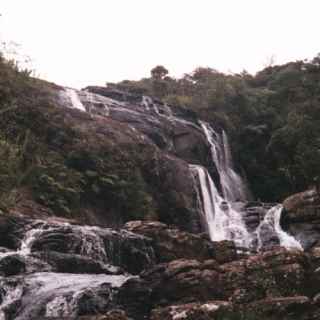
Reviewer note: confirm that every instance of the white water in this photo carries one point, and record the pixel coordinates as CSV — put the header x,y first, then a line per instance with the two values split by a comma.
x,y
271,224
74,98
224,223
232,186
58,293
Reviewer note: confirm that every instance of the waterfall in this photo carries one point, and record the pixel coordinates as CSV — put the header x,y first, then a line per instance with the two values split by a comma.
x,y
270,227
63,270
47,294
224,223
232,186
74,99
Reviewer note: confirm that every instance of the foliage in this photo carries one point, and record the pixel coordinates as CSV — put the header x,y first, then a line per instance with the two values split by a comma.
x,y
44,152
273,118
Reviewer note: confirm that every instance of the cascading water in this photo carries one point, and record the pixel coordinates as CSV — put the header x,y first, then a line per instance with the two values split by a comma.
x,y
223,218
224,223
97,261
74,99
270,227
232,185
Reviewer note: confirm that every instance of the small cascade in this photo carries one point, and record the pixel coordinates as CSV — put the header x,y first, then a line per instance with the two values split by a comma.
x,y
62,270
30,237
232,186
47,294
95,104
224,223
270,231
92,244
74,99
10,295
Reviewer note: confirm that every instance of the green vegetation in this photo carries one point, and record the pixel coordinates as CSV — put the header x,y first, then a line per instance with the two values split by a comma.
x,y
48,156
273,118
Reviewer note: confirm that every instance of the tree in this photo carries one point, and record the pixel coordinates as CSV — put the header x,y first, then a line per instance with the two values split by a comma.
x,y
159,72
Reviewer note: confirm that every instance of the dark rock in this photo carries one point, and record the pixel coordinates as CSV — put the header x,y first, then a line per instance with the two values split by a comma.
x,y
184,281
171,243
11,265
287,308
194,311
276,273
9,231
124,249
175,192
111,315
301,217
224,251
135,298
302,199
73,263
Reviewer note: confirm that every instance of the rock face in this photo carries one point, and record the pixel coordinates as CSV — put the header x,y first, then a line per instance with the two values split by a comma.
x,y
70,248
172,139
201,311
171,244
273,274
74,273
301,200
164,269
302,217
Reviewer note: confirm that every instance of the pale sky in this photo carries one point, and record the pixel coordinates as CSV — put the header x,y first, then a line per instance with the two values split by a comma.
x,y
81,42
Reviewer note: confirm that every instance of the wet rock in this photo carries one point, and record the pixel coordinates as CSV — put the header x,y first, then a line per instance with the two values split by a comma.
x,y
276,273
11,265
224,251
175,192
73,263
302,199
111,315
121,248
301,217
171,244
58,295
9,231
135,298
254,212
184,281
193,311
287,308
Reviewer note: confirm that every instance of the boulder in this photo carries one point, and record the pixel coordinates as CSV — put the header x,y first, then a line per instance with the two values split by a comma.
x,y
9,231
74,263
301,217
287,308
134,297
307,198
193,311
184,281
276,273
11,265
111,315
172,244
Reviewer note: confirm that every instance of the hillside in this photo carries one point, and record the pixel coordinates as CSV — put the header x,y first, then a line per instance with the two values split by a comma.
x,y
155,199
271,117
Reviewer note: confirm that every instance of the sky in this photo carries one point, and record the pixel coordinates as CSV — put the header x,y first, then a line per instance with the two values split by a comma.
x,y
90,42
